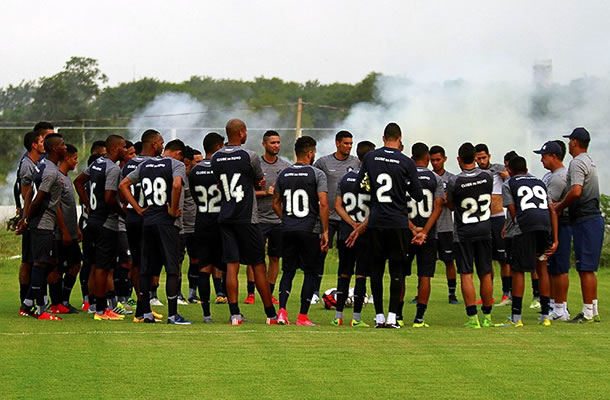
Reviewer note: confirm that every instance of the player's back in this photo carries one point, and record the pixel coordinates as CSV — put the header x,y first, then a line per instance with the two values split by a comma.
x,y
445,220
355,201
103,175
531,202
157,177
298,187
206,194
132,217
470,192
432,188
237,170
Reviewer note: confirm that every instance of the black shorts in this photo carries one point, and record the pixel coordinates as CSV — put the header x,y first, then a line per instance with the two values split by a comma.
x,y
357,257
526,248
242,243
105,243
508,243
42,243
124,251
559,263
426,258
273,234
389,244
26,247
160,247
208,248
301,250
88,247
333,227
69,255
497,241
444,245
187,246
134,238
469,254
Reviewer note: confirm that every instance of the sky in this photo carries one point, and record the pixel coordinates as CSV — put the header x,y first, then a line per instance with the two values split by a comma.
x,y
326,40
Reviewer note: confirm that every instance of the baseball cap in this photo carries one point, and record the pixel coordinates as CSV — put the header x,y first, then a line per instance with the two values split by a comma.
x,y
550,148
579,134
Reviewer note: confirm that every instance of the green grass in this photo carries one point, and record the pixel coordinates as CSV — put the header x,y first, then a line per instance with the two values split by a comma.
x,y
80,358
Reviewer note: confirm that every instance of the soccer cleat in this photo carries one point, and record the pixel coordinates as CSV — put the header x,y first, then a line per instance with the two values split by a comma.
x,y
59,309
71,309
505,301
48,317
473,322
580,319
274,300
157,316
182,301
556,317
393,326
154,301
272,321
194,300
221,300
315,299
207,320
337,322
132,303
149,320
236,320
85,306
114,316
282,317
121,310
413,300
486,322
421,324
26,311
596,318
91,309
535,304
545,322
178,320
100,317
250,299
380,325
359,324
400,322
510,323
138,320
454,300
303,320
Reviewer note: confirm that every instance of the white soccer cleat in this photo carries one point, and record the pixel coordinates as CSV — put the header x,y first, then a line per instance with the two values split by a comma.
x,y
155,302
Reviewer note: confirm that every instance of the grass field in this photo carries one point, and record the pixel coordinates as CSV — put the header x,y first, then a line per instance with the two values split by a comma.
x,y
80,358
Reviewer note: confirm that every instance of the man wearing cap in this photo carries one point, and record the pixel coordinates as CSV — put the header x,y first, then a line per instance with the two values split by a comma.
x,y
582,202
556,183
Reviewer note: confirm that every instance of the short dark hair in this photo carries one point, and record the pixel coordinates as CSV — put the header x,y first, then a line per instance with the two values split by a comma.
x,y
29,139
304,144
196,152
71,149
211,141
342,135
582,143
466,153
50,141
436,149
188,152
43,126
419,151
128,144
96,146
138,146
175,145
481,147
364,147
149,135
518,165
562,145
112,140
392,131
270,133
510,155
92,158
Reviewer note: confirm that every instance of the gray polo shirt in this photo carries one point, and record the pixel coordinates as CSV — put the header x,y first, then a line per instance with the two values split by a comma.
x,y
266,215
68,208
583,171
334,170
557,187
445,220
52,184
189,210
26,171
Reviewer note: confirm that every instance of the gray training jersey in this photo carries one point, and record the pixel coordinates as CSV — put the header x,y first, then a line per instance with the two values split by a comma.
x,y
335,169
266,215
47,179
189,210
557,187
26,171
445,220
583,171
68,208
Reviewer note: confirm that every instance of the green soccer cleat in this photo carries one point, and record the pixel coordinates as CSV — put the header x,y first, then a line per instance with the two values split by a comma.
x,y
420,325
359,324
535,304
487,322
596,318
400,322
337,322
545,322
473,322
509,323
132,302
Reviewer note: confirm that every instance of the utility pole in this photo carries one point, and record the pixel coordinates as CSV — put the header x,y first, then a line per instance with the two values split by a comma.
x,y
299,112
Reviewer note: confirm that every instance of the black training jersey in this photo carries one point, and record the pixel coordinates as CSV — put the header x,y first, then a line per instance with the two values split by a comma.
x,y
298,186
391,176
157,178
136,190
529,196
432,187
355,201
207,196
103,175
470,192
238,171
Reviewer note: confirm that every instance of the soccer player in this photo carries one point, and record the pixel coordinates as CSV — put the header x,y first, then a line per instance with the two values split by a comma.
x,y
391,178
444,224
423,215
352,204
269,222
238,172
300,200
206,194
152,146
527,201
103,209
582,202
188,244
162,179
551,155
469,194
335,166
40,217
68,235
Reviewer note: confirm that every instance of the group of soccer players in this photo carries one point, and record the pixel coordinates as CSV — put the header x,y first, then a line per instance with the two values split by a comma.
x,y
147,205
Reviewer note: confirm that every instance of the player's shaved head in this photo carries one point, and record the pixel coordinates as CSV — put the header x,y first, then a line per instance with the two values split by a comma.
x,y
234,128
419,151
113,141
364,147
466,153
51,141
149,136
392,131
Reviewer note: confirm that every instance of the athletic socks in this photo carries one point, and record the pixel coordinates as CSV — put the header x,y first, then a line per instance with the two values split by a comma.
x,y
270,312
471,310
55,292
391,318
486,310
271,287
506,285
217,286
23,291
112,299
203,282
193,277
172,290
285,287
359,294
100,305
587,310
307,290
69,282
421,310
342,292
153,291
545,308
338,314
234,309
251,287
516,308
401,306
452,285
356,316
535,289
595,310
172,305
